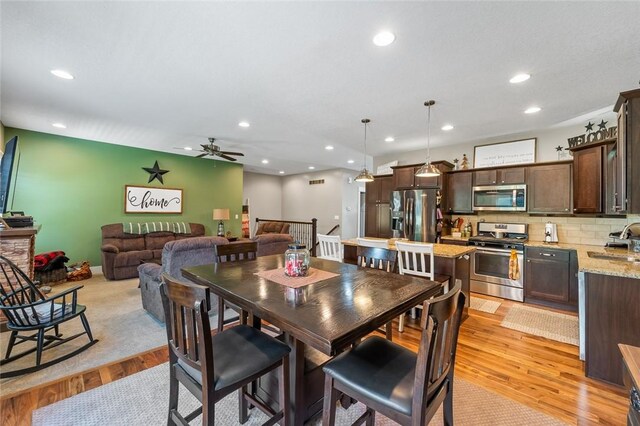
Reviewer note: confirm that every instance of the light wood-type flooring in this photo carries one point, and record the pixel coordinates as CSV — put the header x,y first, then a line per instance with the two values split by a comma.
x,y
540,373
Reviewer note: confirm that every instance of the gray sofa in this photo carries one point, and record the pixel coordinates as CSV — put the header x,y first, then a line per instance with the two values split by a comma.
x,y
176,254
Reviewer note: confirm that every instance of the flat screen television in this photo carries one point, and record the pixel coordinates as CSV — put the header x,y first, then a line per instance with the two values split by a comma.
x,y
8,170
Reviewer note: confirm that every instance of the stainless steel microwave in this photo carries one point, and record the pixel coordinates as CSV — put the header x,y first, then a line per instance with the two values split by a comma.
x,y
500,198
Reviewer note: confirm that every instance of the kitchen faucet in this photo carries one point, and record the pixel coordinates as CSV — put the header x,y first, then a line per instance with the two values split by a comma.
x,y
623,238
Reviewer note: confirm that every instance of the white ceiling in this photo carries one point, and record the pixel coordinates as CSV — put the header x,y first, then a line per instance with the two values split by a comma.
x,y
160,75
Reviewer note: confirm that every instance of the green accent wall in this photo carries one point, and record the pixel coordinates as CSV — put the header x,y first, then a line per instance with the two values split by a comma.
x,y
72,187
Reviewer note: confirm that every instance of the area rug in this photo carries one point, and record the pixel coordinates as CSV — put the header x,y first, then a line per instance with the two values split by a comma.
x,y
116,317
142,398
484,305
543,323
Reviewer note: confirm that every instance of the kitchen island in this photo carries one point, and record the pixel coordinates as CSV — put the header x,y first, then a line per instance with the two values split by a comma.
x,y
451,260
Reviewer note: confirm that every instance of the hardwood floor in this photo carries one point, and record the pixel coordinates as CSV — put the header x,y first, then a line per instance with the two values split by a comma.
x,y
540,373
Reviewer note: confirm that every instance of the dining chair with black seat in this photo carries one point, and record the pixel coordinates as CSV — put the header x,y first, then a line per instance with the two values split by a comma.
x,y
213,366
234,252
382,259
417,259
408,388
33,317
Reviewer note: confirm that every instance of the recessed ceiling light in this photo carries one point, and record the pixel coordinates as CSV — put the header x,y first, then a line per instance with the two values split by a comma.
x,y
59,125
350,161
519,78
188,148
329,148
312,168
447,127
532,110
62,74
265,161
389,139
383,38
244,124
281,172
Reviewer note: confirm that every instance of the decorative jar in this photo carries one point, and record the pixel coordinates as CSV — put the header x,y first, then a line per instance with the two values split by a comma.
x,y
296,261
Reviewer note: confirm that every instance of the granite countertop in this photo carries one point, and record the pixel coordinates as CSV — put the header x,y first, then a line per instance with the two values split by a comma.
x,y
631,356
450,237
439,250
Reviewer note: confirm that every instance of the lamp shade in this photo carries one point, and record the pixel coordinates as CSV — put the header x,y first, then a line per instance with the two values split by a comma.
x,y
220,214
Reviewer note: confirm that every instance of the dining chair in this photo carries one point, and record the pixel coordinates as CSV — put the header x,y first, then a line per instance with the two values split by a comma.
x,y
417,259
33,317
383,259
212,367
408,388
372,242
234,252
330,247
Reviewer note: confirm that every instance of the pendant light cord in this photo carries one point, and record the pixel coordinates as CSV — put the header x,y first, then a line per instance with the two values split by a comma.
x,y
364,165
429,133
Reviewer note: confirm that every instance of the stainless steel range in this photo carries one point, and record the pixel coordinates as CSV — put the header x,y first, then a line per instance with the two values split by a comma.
x,y
490,261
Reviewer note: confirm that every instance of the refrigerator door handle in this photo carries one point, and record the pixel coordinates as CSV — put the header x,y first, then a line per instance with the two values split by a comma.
x,y
405,221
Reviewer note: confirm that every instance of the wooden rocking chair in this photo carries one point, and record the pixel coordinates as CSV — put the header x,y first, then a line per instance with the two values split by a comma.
x,y
28,310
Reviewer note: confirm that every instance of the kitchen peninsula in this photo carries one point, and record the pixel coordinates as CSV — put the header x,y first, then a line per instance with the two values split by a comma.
x,y
451,260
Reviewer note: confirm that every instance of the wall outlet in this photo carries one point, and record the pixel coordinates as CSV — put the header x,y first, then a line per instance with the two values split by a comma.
x,y
236,216
336,217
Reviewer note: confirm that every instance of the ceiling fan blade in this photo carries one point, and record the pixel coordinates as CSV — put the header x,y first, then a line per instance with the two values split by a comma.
x,y
232,153
226,157
202,155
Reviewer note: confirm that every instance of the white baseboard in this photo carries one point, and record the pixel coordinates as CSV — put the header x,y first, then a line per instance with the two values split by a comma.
x,y
96,270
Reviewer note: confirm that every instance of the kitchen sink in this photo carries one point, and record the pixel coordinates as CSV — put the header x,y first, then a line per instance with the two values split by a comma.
x,y
616,257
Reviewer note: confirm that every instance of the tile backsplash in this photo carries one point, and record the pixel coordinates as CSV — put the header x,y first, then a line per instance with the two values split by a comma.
x,y
572,230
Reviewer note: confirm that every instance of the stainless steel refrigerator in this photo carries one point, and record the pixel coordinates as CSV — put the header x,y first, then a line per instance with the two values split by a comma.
x,y
413,214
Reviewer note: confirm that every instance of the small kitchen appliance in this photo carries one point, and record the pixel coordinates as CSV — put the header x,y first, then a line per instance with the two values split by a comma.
x,y
550,233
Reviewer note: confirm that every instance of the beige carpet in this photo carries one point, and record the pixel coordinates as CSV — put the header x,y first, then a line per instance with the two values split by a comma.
x,y
484,305
141,399
116,317
543,323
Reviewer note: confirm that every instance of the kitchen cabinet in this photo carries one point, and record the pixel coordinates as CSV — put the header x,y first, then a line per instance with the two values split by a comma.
x,y
458,196
549,188
377,222
627,195
612,315
404,177
551,277
507,176
588,179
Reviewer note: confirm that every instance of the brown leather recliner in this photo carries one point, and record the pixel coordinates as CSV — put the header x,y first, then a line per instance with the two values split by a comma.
x,y
123,253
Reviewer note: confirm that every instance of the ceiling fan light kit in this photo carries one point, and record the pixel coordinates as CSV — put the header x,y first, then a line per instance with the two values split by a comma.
x,y
428,169
364,175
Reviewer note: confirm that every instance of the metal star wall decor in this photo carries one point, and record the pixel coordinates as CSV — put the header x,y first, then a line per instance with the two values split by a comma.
x,y
603,125
559,148
589,127
155,172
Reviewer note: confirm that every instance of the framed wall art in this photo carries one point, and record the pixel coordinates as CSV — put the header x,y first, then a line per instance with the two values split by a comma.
x,y
145,199
505,153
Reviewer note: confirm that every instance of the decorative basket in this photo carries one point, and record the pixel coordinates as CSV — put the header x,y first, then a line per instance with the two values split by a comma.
x,y
55,276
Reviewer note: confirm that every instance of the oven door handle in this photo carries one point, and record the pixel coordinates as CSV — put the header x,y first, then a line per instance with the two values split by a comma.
x,y
502,252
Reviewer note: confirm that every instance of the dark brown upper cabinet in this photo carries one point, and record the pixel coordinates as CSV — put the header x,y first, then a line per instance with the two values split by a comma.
x,y
377,221
627,190
588,182
404,177
549,188
506,176
458,198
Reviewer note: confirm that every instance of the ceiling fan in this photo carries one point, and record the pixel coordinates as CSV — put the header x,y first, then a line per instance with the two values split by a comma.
x,y
214,150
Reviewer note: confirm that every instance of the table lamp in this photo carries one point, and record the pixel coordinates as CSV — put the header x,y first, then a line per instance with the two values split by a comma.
x,y
221,215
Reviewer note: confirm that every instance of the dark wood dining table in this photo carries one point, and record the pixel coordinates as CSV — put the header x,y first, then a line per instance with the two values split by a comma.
x,y
319,320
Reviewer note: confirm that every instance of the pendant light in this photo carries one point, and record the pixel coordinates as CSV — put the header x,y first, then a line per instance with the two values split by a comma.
x,y
364,175
428,169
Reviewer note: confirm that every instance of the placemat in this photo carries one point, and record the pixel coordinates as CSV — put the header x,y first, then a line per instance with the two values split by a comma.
x,y
278,276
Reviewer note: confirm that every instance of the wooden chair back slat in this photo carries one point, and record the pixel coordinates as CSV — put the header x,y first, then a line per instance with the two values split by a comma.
x,y
330,247
188,327
415,259
236,251
436,355
377,258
